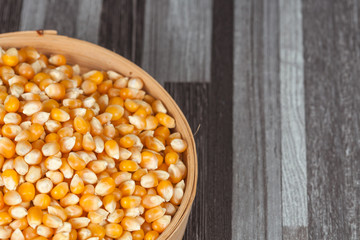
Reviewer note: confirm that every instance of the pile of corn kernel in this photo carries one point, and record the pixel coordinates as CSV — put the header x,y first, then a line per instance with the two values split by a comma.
x,y
83,156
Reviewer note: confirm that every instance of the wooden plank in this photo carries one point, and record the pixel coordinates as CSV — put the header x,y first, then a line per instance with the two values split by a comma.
x,y
219,179
293,145
10,15
295,233
192,98
121,27
177,40
332,105
82,22
88,20
257,122
33,14
62,16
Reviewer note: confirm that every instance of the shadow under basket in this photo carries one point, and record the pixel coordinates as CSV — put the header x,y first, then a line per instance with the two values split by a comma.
x,y
91,56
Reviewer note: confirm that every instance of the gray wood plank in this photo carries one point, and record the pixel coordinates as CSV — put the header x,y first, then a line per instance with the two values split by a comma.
x,y
80,18
192,98
62,16
293,145
10,15
88,20
177,40
257,128
332,98
295,233
33,14
121,27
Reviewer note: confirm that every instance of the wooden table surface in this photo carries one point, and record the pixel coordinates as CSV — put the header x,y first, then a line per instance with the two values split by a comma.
x,y
272,85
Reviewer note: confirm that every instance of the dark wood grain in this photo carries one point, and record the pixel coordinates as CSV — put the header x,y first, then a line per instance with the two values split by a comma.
x,y
332,98
177,40
78,19
220,169
257,122
10,15
192,98
55,17
121,27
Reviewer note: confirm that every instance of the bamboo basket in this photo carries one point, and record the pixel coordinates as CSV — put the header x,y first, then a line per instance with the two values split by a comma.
x,y
91,56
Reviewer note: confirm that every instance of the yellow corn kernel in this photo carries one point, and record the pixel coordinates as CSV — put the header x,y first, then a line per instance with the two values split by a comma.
x,y
75,161
177,196
160,224
146,227
57,60
165,120
19,224
12,118
97,230
104,86
42,200
105,186
60,190
50,104
112,149
138,174
87,176
138,235
170,208
139,191
7,147
120,177
130,224
90,202
89,189
94,76
81,125
44,231
179,145
10,130
149,180
154,144
5,218
12,198
88,142
171,158
79,222
151,201
51,221
74,211
128,166
26,191
10,178
113,230
117,111
130,202
10,57
116,216
77,185
165,189
98,216
127,188
88,87
151,235
34,216
58,211
148,160
36,130
154,214
175,173
60,115
33,157
55,91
